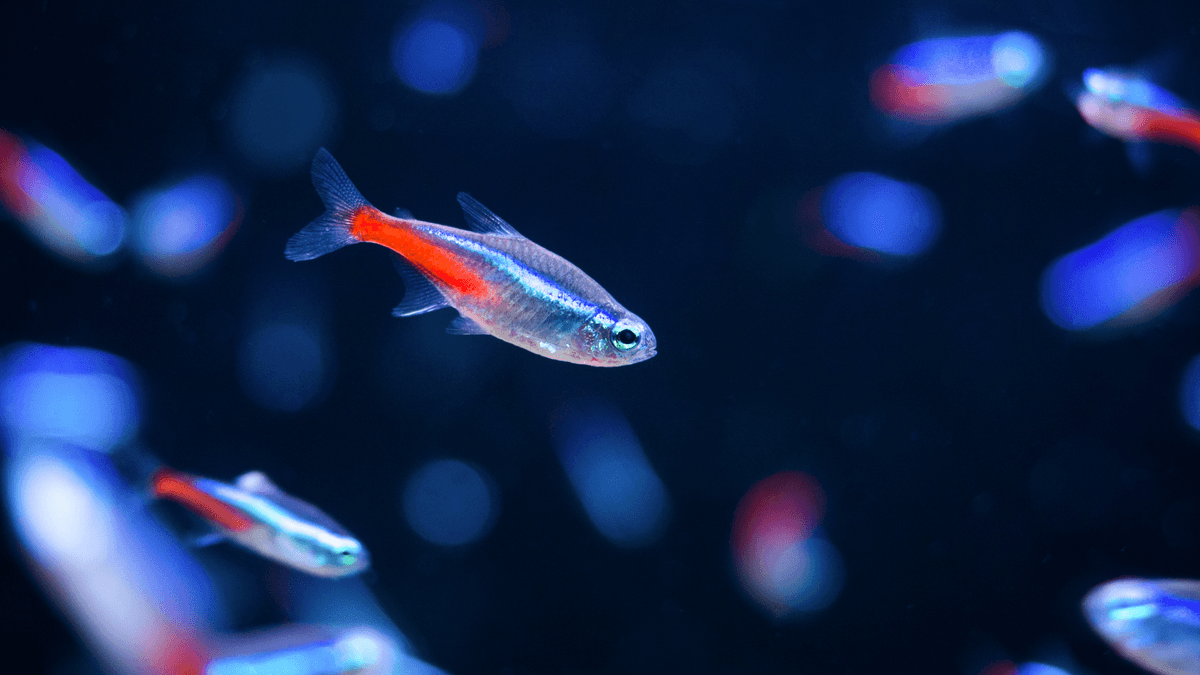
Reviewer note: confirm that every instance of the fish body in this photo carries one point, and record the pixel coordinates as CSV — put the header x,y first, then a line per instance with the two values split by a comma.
x,y
1134,109
501,283
1154,623
259,516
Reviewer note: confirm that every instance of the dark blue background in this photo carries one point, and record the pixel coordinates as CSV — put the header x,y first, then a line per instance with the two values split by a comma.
x,y
933,401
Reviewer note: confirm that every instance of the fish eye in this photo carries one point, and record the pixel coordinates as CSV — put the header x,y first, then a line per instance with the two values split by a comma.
x,y
625,336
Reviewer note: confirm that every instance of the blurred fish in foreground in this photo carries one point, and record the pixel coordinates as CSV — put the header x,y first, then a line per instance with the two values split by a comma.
x,y
947,79
869,217
780,562
619,489
140,603
58,207
181,227
1129,276
1133,108
256,514
1155,623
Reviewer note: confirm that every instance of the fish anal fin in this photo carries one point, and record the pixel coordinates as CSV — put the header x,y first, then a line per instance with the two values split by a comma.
x,y
420,295
464,326
481,219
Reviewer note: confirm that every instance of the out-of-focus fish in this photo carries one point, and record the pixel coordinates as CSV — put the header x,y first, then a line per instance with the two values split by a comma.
x,y
1154,623
258,515
1134,109
500,282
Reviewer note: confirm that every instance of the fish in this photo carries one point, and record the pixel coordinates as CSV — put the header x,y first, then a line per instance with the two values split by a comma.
x,y
501,283
1155,623
256,514
1134,109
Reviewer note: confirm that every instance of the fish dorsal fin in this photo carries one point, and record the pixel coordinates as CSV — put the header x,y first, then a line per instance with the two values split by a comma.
x,y
420,295
481,218
464,326
256,482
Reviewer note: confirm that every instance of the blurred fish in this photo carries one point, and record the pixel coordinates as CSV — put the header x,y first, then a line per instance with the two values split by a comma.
x,y
501,283
1134,109
258,515
1154,623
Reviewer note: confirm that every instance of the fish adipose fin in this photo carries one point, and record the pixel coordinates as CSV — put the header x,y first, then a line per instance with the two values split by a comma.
x,y
420,295
342,200
464,326
481,218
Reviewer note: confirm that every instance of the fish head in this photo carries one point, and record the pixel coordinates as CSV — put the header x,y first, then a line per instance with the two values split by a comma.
x,y
325,555
616,337
342,557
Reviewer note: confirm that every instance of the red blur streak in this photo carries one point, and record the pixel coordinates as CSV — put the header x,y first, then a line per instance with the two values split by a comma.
x,y
896,91
178,487
1005,667
790,504
179,653
1180,128
815,235
14,160
1184,243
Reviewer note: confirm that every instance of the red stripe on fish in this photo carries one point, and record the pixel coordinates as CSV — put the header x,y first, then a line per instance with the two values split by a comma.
x,y
178,487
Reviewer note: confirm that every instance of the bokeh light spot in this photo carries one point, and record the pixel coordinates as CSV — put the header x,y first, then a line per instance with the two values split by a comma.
x,y
435,56
780,564
281,111
180,228
450,503
621,493
874,212
78,396
282,366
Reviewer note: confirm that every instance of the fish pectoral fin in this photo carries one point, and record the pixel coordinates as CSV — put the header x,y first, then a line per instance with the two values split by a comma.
x,y
205,540
420,295
481,218
464,326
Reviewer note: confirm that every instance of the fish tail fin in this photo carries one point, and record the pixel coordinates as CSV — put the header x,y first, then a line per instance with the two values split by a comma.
x,y
342,201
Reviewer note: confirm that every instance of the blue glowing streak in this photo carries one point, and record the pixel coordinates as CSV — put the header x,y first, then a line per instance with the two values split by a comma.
x,y
1104,280
1035,668
434,57
622,495
184,218
77,396
877,213
78,210
449,503
1014,57
1124,88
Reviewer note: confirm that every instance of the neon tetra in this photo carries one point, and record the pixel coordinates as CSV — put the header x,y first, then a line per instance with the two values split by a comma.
x,y
501,283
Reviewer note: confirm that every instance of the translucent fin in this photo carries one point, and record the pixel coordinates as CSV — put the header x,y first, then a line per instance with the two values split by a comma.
x,y
420,295
205,540
464,326
256,482
332,230
481,219
403,214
